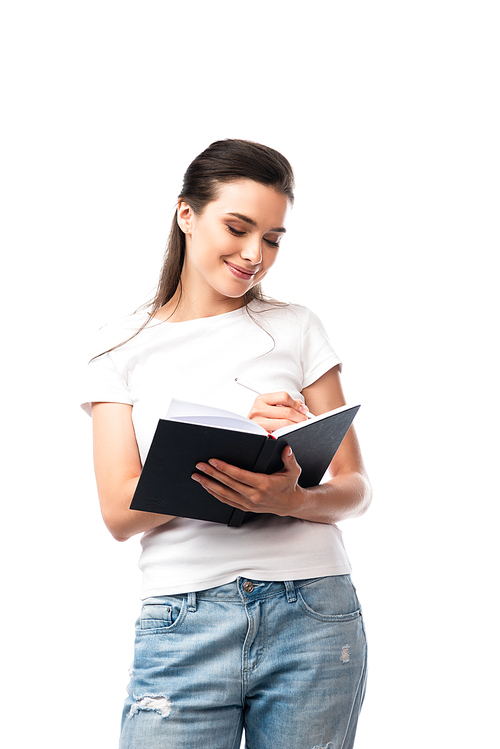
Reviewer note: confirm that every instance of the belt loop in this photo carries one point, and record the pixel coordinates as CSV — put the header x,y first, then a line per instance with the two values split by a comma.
x,y
290,591
191,597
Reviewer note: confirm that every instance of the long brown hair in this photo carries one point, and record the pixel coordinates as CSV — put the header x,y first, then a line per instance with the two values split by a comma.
x,y
222,162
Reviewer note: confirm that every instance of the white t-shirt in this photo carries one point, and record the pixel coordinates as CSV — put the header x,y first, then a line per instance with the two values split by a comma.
x,y
273,348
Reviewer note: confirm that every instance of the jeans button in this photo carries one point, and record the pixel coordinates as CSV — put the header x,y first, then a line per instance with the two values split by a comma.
x,y
248,586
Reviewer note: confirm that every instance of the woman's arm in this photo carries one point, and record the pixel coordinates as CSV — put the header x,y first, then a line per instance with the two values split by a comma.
x,y
346,494
117,468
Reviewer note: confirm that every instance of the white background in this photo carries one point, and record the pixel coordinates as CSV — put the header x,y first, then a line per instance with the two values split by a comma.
x,y
389,112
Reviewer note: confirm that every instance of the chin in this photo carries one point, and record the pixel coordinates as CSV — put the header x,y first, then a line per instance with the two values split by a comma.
x,y
235,290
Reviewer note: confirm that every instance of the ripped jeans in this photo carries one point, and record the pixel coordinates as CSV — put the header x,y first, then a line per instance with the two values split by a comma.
x,y
285,662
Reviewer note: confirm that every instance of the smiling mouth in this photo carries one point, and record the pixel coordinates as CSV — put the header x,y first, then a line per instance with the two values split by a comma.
x,y
240,272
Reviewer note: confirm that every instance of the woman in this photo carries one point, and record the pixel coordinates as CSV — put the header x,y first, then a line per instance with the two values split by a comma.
x,y
256,627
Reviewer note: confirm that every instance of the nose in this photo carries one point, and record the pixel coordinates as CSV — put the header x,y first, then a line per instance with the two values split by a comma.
x,y
252,252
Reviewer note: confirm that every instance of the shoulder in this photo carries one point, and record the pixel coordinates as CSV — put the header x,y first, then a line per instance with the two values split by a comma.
x,y
116,331
285,312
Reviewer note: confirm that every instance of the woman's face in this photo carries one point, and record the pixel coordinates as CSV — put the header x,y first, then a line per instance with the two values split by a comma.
x,y
233,243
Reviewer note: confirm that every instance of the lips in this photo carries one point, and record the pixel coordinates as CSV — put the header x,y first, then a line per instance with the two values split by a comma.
x,y
239,272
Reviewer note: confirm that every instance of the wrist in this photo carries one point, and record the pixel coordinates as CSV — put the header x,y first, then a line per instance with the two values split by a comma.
x,y
298,503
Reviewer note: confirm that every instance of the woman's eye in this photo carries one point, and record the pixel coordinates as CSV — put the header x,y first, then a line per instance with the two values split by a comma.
x,y
237,233
234,231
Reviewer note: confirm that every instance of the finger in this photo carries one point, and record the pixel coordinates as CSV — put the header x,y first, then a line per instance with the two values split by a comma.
x,y
229,475
223,487
213,486
282,398
222,493
279,412
271,425
290,462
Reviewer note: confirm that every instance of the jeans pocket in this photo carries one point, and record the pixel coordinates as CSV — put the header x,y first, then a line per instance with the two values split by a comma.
x,y
330,599
162,614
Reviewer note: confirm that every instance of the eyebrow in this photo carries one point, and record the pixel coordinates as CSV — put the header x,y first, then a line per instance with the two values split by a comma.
x,y
254,223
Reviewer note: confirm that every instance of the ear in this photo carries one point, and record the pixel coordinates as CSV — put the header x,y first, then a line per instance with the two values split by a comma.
x,y
184,216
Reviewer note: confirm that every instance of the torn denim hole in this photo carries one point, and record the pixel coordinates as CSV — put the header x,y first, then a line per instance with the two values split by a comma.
x,y
344,656
156,702
325,746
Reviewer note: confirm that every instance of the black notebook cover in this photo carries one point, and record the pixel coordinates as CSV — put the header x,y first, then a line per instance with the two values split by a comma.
x,y
166,486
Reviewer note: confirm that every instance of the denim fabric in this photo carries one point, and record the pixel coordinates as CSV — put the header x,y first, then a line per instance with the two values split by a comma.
x,y
286,662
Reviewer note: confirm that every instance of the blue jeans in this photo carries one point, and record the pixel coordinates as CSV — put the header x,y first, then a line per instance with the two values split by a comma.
x,y
284,661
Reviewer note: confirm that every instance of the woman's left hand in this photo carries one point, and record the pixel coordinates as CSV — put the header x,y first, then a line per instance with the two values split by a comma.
x,y
278,493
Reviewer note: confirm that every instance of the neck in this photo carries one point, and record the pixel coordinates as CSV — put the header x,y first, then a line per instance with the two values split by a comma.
x,y
183,306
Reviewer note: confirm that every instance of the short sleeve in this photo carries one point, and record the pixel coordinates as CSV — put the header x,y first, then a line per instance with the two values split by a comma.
x,y
102,380
318,356
104,383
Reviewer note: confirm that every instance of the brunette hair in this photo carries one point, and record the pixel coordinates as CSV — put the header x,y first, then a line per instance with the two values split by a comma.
x,y
222,162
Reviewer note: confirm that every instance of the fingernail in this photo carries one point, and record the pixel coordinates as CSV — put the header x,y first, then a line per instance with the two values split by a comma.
x,y
195,477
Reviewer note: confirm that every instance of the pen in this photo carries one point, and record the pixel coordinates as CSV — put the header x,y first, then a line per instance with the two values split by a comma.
x,y
248,387
244,385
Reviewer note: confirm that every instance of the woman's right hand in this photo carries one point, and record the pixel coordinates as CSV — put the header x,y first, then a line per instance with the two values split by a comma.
x,y
275,410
